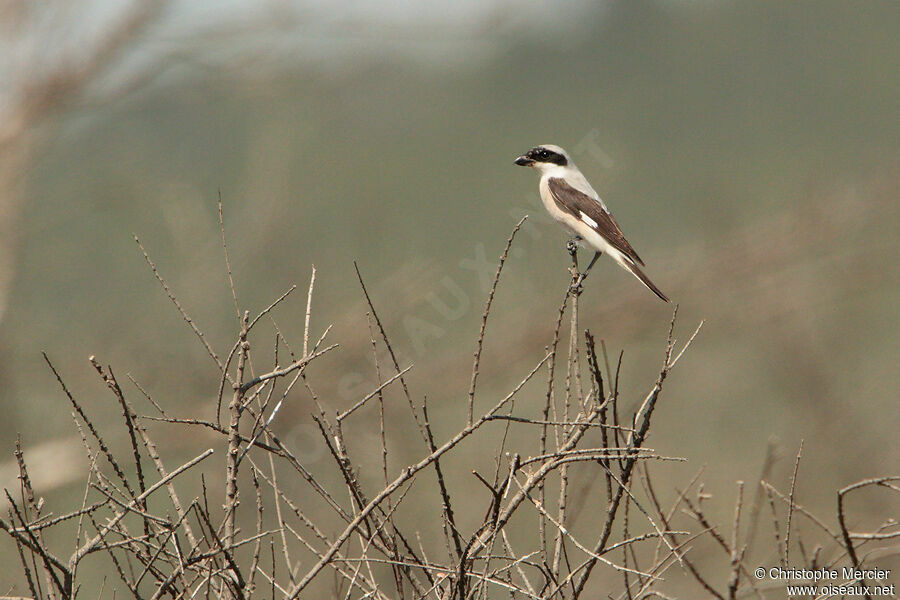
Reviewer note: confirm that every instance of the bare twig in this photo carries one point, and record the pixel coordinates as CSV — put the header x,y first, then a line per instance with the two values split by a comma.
x,y
787,528
184,315
484,318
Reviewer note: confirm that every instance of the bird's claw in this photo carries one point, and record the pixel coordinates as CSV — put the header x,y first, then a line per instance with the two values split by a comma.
x,y
577,277
575,288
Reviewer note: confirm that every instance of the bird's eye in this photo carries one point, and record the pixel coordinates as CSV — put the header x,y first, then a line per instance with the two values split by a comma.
x,y
544,154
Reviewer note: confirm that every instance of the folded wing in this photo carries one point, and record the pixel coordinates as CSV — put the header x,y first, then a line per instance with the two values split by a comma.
x,y
591,213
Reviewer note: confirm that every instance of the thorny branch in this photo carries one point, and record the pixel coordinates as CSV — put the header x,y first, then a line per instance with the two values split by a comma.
x,y
380,531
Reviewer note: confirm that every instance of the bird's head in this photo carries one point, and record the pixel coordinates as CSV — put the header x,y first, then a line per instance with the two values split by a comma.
x,y
544,157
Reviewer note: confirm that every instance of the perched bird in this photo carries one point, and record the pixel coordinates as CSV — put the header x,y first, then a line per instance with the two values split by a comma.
x,y
571,200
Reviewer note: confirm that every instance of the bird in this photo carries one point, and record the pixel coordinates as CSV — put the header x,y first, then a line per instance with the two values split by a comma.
x,y
572,202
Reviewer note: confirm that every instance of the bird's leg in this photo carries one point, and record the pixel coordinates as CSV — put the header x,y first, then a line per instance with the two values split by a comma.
x,y
583,275
591,264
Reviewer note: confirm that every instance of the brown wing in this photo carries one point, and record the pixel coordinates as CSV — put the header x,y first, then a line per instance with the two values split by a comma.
x,y
575,203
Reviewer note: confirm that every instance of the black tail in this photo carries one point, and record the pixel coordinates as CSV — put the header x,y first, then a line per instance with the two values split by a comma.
x,y
646,281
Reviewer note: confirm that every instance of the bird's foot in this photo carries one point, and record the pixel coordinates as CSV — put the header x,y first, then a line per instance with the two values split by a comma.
x,y
575,288
572,245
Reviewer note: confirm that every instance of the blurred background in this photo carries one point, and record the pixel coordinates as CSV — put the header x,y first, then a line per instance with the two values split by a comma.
x,y
750,151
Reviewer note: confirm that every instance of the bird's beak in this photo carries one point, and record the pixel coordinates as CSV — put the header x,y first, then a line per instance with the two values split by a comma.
x,y
524,161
